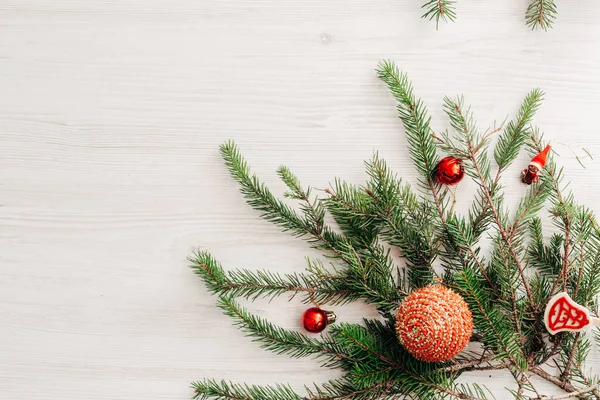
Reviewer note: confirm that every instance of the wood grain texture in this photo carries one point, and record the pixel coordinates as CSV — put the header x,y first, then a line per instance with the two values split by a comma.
x,y
111,113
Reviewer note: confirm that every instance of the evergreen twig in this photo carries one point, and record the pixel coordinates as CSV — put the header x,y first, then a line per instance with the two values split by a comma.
x,y
211,389
440,9
541,14
255,284
462,122
506,294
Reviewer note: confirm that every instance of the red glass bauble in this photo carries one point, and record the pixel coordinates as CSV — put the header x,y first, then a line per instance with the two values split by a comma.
x,y
449,171
315,320
434,323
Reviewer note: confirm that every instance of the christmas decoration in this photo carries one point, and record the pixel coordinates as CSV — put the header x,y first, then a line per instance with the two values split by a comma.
x,y
563,314
530,174
434,323
449,171
539,14
359,227
315,320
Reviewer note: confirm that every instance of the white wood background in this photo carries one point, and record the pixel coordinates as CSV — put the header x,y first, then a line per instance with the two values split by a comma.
x,y
111,113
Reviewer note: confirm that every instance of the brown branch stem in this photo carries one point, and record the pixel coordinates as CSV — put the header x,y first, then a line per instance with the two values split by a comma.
x,y
490,201
566,386
574,393
485,137
563,274
474,365
565,374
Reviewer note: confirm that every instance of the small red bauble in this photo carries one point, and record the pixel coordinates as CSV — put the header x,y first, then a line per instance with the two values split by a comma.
x,y
449,171
434,323
315,320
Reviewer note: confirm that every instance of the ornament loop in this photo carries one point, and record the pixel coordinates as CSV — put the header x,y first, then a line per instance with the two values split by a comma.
x,y
331,316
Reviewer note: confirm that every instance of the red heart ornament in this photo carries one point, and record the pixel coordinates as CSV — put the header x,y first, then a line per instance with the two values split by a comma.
x,y
563,314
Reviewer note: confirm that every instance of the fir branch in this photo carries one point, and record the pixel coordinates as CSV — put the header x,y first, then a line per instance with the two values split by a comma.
x,y
507,279
211,389
474,148
404,221
528,207
566,251
541,14
373,364
390,193
480,215
563,209
516,132
590,282
448,146
571,390
510,142
507,320
460,241
462,122
476,145
414,377
595,392
413,113
376,284
440,9
344,389
279,340
372,269
571,358
489,321
586,241
566,386
421,140
314,211
472,365
581,269
577,223
574,350
255,284
473,144
357,284
274,210
547,259
575,393
259,196
350,207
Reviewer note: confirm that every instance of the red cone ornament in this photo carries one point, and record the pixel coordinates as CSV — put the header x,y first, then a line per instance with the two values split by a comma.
x,y
315,320
530,174
449,171
434,323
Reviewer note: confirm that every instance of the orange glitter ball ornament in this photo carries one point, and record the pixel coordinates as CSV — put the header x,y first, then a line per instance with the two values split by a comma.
x,y
434,323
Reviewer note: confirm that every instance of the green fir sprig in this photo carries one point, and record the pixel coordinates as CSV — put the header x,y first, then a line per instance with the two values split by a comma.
x,y
539,14
444,10
506,288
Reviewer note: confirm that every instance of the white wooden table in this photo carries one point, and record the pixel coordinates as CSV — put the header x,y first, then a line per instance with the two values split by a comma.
x,y
111,113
